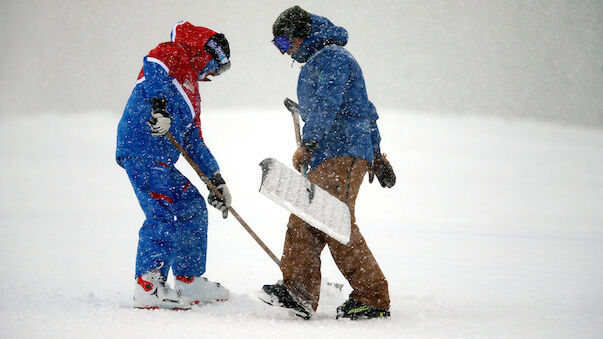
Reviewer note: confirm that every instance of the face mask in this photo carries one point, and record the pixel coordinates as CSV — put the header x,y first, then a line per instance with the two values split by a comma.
x,y
213,68
211,65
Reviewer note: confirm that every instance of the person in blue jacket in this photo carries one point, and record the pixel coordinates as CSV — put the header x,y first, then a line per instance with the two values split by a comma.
x,y
174,235
340,143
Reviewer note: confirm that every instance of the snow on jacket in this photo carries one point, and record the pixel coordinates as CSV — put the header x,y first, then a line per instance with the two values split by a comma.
x,y
332,96
169,71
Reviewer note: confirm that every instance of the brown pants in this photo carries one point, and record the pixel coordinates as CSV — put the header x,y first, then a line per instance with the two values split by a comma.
x,y
300,264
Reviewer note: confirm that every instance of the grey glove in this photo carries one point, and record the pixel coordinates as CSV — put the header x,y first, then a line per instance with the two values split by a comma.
x,y
160,122
222,203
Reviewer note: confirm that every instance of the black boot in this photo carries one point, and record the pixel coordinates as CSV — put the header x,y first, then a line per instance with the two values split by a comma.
x,y
278,295
354,309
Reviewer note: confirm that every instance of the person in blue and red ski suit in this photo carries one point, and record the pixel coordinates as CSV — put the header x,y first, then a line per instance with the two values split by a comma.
x,y
174,234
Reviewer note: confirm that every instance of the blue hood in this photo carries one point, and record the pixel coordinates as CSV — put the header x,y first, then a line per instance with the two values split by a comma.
x,y
323,33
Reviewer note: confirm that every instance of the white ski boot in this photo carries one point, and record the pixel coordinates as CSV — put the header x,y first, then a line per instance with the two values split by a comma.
x,y
200,290
151,293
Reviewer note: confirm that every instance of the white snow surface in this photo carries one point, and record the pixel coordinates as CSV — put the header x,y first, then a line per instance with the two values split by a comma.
x,y
494,229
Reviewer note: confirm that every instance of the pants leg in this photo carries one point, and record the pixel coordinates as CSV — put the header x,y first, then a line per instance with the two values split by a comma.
x,y
151,183
300,263
190,239
355,260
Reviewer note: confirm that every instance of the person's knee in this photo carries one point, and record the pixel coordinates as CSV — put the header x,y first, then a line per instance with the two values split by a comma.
x,y
157,229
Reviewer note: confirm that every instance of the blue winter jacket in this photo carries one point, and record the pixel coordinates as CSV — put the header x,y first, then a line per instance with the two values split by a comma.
x,y
332,97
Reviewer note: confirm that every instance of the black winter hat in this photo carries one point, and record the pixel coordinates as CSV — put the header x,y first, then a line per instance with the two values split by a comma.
x,y
294,22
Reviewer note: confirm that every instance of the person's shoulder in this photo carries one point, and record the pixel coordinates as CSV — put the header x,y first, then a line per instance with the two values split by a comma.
x,y
334,49
170,55
167,49
333,53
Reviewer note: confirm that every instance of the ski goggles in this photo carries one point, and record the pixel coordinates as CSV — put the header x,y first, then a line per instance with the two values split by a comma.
x,y
214,66
223,67
282,43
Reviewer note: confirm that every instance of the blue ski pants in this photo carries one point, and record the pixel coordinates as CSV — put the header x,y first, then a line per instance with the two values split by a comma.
x,y
174,234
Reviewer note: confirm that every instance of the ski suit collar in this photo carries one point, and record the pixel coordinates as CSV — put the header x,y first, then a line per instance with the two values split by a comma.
x,y
324,33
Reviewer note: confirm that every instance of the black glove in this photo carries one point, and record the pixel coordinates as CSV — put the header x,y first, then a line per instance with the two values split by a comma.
x,y
220,203
383,170
160,122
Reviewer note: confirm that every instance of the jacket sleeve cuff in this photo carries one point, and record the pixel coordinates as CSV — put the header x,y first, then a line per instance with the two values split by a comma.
x,y
217,179
310,145
159,105
377,156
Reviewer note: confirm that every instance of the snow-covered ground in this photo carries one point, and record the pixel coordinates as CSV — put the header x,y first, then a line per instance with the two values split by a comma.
x,y
494,229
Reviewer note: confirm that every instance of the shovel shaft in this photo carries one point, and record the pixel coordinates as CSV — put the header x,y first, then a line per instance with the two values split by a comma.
x,y
293,107
219,195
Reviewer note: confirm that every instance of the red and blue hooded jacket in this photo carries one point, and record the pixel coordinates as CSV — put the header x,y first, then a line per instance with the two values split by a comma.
x,y
169,71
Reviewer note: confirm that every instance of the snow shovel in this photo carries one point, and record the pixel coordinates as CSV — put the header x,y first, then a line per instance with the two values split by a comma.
x,y
312,204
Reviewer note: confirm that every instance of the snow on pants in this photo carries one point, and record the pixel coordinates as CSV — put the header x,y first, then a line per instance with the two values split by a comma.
x,y
174,234
300,264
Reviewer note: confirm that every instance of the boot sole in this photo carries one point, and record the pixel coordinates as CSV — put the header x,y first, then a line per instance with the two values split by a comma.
x,y
152,308
199,302
273,301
